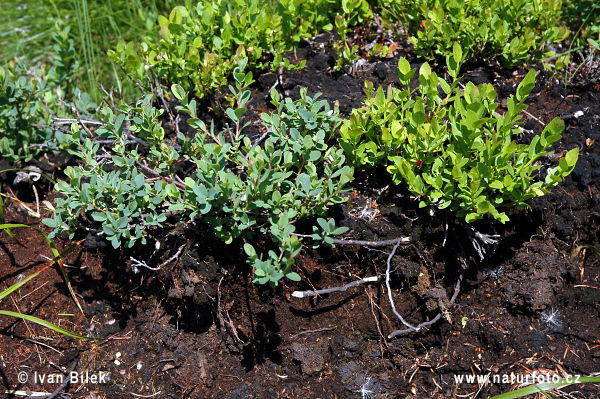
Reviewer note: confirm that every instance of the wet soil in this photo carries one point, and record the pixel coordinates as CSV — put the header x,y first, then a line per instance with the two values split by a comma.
x,y
199,328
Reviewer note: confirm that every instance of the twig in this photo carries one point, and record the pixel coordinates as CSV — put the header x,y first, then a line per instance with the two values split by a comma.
x,y
278,82
27,394
37,200
312,331
79,119
138,263
137,395
587,286
67,121
534,118
155,173
389,289
172,257
66,381
42,344
261,138
488,239
108,95
400,240
304,294
435,319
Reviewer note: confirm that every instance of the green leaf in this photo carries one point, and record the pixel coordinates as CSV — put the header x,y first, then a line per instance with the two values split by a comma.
x,y
122,223
572,156
177,207
425,70
249,249
339,230
526,86
99,216
457,52
552,132
232,115
293,276
304,181
178,91
324,225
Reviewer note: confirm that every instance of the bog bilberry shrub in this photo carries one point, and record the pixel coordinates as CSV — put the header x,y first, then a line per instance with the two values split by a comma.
x,y
242,189
450,146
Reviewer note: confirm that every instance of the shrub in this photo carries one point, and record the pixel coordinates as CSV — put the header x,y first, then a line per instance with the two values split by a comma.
x,y
201,43
451,147
241,189
516,31
29,99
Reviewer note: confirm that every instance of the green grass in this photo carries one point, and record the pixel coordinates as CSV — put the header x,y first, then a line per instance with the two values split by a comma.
x,y
545,387
95,26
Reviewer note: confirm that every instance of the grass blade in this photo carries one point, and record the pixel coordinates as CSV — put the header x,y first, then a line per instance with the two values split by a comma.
x,y
57,256
546,386
18,284
45,324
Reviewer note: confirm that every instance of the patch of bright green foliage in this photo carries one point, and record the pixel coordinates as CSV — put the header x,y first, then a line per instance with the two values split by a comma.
x,y
201,41
95,26
450,146
354,12
241,189
30,97
515,31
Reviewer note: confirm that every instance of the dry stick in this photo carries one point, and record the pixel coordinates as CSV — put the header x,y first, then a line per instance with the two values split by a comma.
x,y
312,331
435,319
304,294
389,290
385,243
397,242
68,121
534,118
80,119
372,279
172,258
62,386
155,173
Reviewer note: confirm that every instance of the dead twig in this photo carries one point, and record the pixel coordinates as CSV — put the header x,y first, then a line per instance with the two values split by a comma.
x,y
62,386
389,290
384,243
155,173
425,324
172,257
136,264
304,294
312,331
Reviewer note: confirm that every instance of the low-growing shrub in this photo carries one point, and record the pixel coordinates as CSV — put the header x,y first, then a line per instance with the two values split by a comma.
x,y
241,189
452,147
29,98
201,42
516,31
